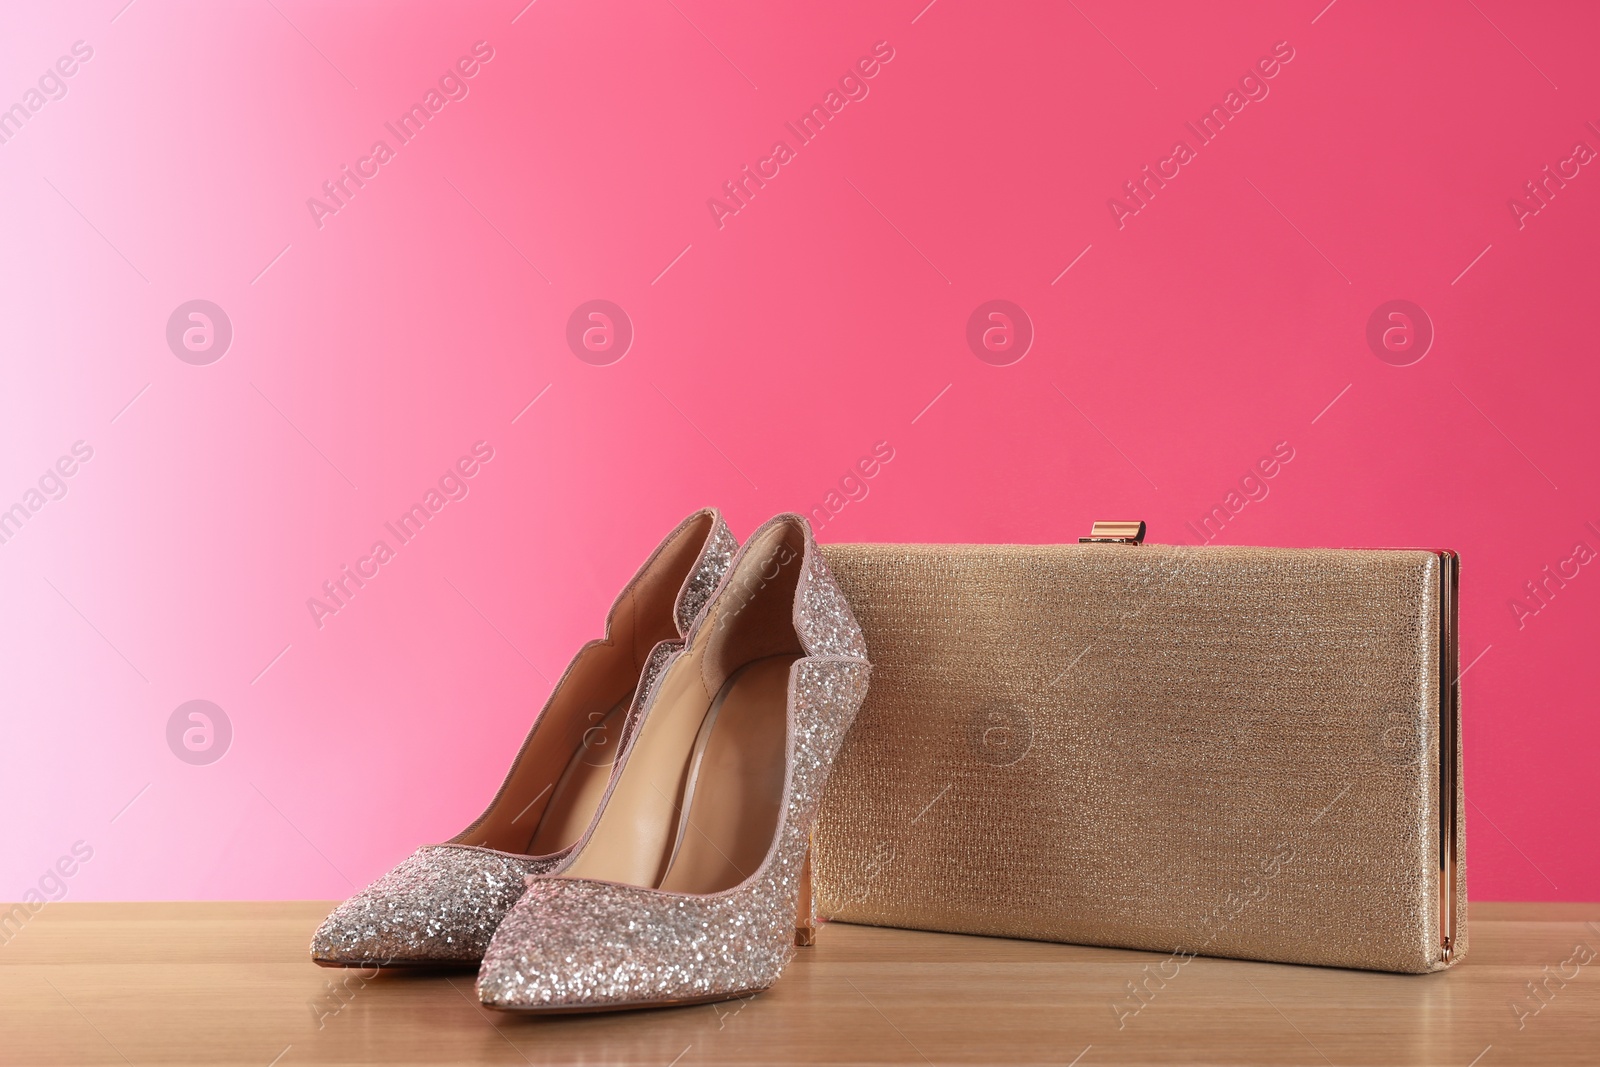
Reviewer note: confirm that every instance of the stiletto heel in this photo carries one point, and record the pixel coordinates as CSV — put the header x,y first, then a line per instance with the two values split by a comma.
x,y
805,923
441,904
692,885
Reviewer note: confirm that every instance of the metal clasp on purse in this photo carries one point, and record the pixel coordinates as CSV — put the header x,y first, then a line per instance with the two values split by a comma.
x,y
1114,533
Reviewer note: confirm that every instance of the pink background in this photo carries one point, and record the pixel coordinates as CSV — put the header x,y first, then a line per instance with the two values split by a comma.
x,y
770,354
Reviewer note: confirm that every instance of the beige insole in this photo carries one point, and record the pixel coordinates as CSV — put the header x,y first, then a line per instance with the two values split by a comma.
x,y
733,742
733,787
579,790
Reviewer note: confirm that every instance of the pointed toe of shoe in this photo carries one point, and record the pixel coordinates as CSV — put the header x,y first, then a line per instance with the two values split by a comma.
x,y
441,906
573,945
348,937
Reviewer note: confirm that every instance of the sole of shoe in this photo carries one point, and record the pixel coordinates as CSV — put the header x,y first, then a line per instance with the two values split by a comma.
x,y
632,1005
398,965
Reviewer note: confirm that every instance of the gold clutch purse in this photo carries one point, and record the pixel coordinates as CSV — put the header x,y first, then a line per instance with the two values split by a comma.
x,y
1242,752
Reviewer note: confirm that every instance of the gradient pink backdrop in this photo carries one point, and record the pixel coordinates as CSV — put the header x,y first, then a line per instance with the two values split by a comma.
x,y
770,354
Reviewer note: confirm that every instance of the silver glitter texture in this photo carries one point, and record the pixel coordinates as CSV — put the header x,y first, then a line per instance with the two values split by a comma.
x,y
713,563
579,944
442,904
439,905
575,943
822,616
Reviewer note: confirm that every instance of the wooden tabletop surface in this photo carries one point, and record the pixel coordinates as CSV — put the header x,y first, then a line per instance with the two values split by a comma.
x,y
88,984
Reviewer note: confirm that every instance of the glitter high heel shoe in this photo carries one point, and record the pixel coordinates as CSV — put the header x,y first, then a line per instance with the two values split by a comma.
x,y
688,886
441,904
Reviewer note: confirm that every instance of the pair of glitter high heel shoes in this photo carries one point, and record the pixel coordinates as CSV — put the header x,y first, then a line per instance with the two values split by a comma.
x,y
649,846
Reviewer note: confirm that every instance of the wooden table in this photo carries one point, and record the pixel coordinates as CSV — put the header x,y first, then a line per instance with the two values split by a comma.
x,y
232,984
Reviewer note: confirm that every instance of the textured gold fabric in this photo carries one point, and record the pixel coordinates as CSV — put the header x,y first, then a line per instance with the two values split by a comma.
x,y
1211,751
